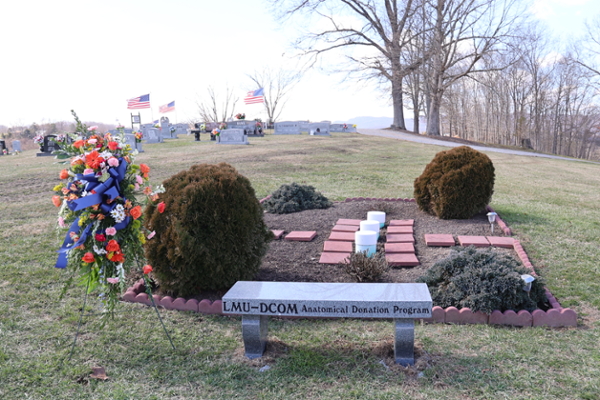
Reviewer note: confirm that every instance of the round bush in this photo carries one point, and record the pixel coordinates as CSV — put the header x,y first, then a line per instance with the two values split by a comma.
x,y
292,198
456,184
482,280
211,233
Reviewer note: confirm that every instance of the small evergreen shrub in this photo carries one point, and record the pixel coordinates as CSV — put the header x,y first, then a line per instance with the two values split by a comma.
x,y
482,280
292,198
456,184
211,233
366,269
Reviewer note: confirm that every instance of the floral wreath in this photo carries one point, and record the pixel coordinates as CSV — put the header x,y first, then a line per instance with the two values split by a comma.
x,y
100,212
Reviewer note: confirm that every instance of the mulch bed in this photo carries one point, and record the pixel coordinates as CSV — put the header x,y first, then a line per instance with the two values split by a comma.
x,y
292,261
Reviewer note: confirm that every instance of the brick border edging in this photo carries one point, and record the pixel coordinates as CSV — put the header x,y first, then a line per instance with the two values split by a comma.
x,y
555,317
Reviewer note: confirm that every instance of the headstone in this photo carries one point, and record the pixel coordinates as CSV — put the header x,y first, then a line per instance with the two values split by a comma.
x,y
181,129
304,126
232,136
342,128
154,136
287,128
2,147
48,146
319,129
16,145
131,141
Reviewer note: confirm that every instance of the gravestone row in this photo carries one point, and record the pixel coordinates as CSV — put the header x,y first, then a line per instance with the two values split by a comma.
x,y
323,128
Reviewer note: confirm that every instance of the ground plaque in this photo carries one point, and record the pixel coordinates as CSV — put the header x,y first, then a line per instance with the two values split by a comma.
x,y
256,301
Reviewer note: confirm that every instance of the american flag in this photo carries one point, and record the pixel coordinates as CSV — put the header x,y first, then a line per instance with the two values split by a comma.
x,y
255,97
139,102
167,108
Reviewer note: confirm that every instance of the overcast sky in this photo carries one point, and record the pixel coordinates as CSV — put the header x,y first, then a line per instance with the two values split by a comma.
x,y
91,56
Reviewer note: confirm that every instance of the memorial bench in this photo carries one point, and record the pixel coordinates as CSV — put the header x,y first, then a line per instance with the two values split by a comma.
x,y
256,301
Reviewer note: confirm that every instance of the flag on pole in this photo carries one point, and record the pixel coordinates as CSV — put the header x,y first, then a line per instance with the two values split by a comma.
x,y
139,102
167,108
255,97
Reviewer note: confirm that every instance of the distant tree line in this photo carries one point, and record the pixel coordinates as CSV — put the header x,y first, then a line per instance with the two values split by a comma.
x,y
477,69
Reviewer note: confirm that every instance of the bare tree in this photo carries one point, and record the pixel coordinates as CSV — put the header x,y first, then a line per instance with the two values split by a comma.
x,y
215,107
463,33
373,33
277,85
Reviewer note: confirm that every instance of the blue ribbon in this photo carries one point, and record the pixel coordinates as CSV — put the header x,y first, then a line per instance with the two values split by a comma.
x,y
105,192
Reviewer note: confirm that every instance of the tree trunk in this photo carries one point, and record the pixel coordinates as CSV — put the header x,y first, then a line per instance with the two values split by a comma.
x,y
416,120
398,105
433,120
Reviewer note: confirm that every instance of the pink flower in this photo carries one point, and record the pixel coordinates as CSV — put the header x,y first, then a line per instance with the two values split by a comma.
x,y
61,222
92,141
136,187
111,231
151,235
139,179
92,128
113,162
112,280
88,171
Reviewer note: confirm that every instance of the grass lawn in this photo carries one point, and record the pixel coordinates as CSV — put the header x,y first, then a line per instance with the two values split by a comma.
x,y
553,207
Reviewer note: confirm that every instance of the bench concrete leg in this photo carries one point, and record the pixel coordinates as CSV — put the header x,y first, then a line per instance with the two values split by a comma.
x,y
404,341
254,332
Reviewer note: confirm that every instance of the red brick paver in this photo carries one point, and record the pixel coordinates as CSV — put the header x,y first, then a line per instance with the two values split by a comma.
x,y
477,241
402,259
333,258
399,238
301,236
399,248
402,222
439,240
345,228
343,221
278,233
500,241
342,236
400,229
337,247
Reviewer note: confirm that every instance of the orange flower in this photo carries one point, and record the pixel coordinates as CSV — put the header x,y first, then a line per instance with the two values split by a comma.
x,y
113,145
93,160
116,256
147,269
101,217
113,246
65,190
145,170
64,174
57,200
78,144
161,207
76,161
147,190
88,257
136,212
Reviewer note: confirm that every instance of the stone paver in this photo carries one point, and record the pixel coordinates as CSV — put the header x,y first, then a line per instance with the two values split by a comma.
x,y
333,258
278,233
402,259
402,222
399,238
301,236
345,228
439,240
337,247
399,248
342,236
500,241
400,229
477,241
343,221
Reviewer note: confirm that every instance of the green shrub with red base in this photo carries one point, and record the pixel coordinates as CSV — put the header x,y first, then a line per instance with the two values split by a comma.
x,y
456,184
211,234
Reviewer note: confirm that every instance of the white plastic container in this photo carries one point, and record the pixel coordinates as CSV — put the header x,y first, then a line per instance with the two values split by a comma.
x,y
377,216
370,225
366,241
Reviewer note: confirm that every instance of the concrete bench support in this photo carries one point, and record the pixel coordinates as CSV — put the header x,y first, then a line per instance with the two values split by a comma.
x,y
256,301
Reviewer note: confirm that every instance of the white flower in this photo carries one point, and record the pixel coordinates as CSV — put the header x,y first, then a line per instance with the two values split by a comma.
x,y
118,213
99,251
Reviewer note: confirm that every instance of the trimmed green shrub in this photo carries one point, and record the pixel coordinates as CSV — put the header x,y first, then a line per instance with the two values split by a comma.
x,y
292,198
456,184
211,233
366,269
482,280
